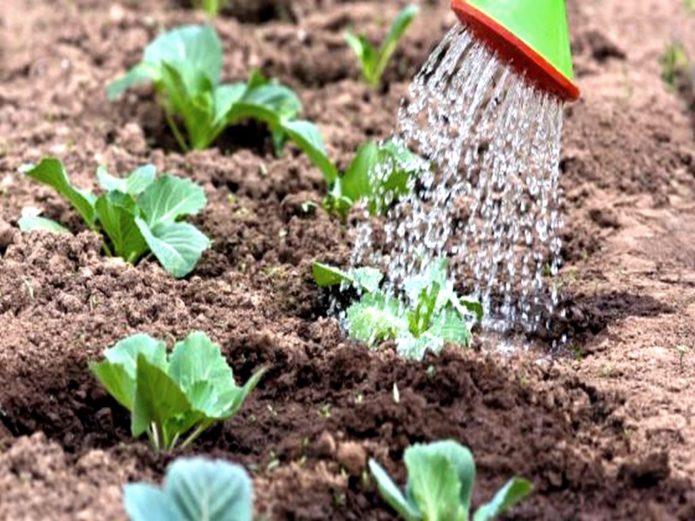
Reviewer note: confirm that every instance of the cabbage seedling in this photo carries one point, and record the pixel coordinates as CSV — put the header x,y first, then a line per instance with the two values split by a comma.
x,y
173,398
195,489
430,315
373,61
185,66
136,215
440,485
379,173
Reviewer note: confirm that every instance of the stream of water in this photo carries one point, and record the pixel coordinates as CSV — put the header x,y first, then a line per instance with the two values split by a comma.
x,y
488,199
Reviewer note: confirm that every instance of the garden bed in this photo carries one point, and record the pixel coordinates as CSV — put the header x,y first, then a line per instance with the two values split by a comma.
x,y
604,430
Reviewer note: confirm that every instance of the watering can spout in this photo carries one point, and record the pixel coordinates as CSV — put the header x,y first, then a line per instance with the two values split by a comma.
x,y
532,35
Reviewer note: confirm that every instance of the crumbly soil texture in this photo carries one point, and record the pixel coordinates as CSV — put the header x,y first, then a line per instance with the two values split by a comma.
x,y
603,427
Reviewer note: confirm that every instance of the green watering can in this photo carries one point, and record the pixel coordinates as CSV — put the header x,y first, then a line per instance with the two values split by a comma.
x,y
532,35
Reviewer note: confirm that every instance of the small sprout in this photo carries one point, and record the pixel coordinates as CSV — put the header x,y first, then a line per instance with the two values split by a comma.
x,y
577,352
210,7
309,207
373,61
194,489
675,64
359,399
607,371
325,411
682,351
440,485
175,397
396,393
431,315
273,462
185,67
135,215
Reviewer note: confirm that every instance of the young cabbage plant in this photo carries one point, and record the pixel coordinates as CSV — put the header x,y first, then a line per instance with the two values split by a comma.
x,y
440,483
195,489
379,174
373,61
135,215
430,315
185,66
173,398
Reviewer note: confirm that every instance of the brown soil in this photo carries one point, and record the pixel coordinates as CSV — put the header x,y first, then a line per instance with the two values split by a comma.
x,y
605,431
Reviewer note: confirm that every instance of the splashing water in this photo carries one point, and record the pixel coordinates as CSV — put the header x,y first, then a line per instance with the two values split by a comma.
x,y
488,199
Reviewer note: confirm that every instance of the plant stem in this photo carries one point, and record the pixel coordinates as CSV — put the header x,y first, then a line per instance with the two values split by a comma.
x,y
197,432
177,132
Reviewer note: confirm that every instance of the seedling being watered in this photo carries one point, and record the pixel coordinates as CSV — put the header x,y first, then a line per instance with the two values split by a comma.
x,y
486,110
374,60
429,315
136,215
173,398
195,489
378,175
185,65
441,476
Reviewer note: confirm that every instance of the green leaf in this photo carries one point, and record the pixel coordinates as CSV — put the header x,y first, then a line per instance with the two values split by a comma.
x,y
118,372
367,55
367,279
373,61
144,502
51,172
138,180
392,494
31,223
210,490
158,398
434,485
141,73
196,359
356,183
473,305
269,102
201,371
402,21
462,460
169,198
513,492
197,45
375,318
308,138
178,246
116,212
450,326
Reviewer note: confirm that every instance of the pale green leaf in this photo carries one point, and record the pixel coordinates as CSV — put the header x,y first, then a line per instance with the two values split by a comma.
x,y
433,485
308,138
204,490
144,502
392,494
116,212
51,172
169,198
514,491
178,246
375,318
31,223
157,398
117,372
